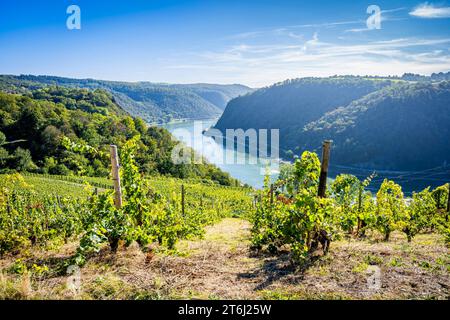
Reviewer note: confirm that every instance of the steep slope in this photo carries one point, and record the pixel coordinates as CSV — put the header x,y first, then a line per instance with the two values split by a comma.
x,y
218,95
51,130
402,127
375,123
290,105
161,103
153,102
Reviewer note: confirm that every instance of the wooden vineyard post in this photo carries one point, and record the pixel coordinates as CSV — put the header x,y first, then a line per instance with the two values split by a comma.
x,y
438,199
448,203
8,206
358,224
271,194
360,191
324,168
182,199
116,176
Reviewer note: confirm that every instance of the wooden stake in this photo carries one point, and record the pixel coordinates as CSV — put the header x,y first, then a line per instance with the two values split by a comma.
x,y
182,199
116,176
324,168
8,206
271,194
438,200
360,191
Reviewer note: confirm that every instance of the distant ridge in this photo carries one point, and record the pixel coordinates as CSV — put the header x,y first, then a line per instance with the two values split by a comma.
x,y
154,102
384,123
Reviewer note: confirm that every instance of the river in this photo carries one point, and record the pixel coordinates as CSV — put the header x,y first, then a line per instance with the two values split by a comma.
x,y
251,173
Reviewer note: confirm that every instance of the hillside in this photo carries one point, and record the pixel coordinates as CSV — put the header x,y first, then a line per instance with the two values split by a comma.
x,y
292,104
218,95
375,123
67,131
153,102
222,263
402,127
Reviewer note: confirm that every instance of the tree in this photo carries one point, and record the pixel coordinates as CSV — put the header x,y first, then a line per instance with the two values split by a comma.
x,y
4,156
2,138
40,120
51,138
22,160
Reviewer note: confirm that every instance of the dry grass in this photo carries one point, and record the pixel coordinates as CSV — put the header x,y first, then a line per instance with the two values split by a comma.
x,y
221,266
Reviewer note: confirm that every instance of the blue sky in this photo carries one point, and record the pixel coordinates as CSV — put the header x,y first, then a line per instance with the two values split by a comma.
x,y
250,42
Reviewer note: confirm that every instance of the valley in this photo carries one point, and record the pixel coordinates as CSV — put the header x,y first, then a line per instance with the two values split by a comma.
x,y
184,230
381,125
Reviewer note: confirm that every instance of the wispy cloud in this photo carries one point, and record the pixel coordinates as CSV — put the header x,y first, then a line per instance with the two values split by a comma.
x,y
259,64
289,30
358,30
430,11
384,18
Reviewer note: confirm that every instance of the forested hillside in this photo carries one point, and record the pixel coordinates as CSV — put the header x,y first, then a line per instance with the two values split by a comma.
x,y
218,95
67,131
154,102
292,104
394,123
404,126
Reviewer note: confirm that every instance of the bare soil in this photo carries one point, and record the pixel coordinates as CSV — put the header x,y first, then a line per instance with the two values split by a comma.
x,y
222,266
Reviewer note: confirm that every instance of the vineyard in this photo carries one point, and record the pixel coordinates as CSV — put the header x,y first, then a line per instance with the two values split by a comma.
x,y
175,238
40,209
301,219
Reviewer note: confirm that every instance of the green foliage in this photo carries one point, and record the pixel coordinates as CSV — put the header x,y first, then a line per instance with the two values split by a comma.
x,y
31,218
295,222
345,189
22,160
391,213
298,219
441,220
376,123
354,205
41,210
2,138
422,211
150,101
304,173
440,196
65,131
304,100
145,217
390,129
